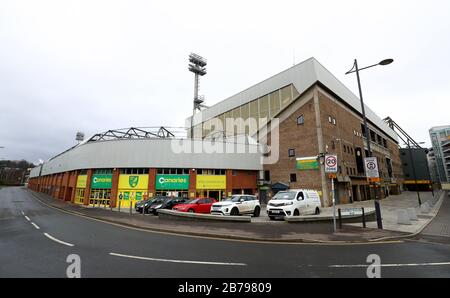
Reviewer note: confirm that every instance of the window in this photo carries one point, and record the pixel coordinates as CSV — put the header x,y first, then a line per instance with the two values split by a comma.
x,y
330,119
384,143
334,121
345,149
234,173
351,150
291,152
347,170
267,175
134,171
293,177
363,129
372,136
300,120
103,171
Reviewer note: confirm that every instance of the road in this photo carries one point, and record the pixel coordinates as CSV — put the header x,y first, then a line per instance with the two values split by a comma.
x,y
35,241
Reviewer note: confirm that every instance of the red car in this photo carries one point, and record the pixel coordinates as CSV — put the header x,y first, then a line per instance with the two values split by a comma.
x,y
200,205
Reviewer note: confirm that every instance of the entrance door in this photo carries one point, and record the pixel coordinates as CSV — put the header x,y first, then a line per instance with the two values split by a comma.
x,y
355,193
214,194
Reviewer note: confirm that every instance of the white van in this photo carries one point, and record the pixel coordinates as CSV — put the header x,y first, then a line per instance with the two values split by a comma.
x,y
294,202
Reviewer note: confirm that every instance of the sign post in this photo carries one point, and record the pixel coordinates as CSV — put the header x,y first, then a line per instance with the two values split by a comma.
x,y
331,168
372,174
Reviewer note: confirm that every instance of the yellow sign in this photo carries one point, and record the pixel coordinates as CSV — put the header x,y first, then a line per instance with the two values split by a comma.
x,y
418,182
133,182
373,180
81,181
211,182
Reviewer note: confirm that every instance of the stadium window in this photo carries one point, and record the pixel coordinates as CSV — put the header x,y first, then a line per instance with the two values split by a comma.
x,y
291,152
293,177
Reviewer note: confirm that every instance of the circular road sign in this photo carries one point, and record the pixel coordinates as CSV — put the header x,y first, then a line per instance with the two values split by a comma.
x,y
331,161
371,165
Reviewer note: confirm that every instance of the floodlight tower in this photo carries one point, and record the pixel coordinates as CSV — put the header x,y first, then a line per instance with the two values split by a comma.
x,y
197,65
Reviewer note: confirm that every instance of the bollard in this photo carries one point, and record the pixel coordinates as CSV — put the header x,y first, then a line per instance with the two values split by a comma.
x,y
412,214
425,208
363,217
120,203
131,207
403,217
340,218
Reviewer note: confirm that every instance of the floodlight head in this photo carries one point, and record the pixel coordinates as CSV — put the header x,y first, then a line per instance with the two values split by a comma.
x,y
386,61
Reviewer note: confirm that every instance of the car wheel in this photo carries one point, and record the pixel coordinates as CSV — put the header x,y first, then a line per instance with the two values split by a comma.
x,y
191,211
234,212
257,211
271,217
317,211
296,212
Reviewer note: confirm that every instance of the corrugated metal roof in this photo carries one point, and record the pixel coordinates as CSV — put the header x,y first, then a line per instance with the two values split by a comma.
x,y
302,76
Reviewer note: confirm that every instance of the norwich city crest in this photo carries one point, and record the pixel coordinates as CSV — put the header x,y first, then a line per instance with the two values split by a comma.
x,y
133,180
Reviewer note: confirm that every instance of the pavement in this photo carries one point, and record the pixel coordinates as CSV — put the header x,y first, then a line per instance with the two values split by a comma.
x,y
36,241
390,205
259,230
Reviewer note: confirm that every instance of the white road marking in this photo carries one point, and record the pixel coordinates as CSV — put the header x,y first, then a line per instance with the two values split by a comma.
x,y
390,265
35,225
27,218
177,261
56,240
22,213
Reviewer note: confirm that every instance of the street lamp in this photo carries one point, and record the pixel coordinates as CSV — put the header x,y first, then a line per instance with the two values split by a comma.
x,y
366,127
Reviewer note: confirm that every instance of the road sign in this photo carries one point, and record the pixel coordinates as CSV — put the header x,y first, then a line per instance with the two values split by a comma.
x,y
371,166
331,164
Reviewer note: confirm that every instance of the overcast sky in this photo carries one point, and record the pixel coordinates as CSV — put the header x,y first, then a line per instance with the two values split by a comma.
x,y
68,66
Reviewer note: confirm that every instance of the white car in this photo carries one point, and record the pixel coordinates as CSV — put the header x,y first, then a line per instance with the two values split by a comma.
x,y
237,205
294,202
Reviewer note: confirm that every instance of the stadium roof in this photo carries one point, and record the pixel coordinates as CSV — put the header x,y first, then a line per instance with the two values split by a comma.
x,y
302,76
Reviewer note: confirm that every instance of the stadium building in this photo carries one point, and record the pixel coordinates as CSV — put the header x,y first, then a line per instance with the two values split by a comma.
x,y
302,113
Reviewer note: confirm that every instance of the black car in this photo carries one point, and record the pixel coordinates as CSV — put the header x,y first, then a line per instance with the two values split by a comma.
x,y
168,203
145,205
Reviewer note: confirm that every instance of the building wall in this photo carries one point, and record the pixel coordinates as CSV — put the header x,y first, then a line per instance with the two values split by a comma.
x,y
62,186
342,134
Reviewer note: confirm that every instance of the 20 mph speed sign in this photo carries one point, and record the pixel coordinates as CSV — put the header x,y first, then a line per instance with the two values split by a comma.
x,y
331,164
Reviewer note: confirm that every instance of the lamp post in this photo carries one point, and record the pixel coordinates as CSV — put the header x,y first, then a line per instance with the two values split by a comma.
x,y
356,69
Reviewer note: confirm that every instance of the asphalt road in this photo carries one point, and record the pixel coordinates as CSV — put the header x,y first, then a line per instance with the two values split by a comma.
x,y
108,250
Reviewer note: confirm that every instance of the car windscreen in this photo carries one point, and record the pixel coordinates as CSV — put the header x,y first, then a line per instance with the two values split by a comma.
x,y
233,199
193,201
285,195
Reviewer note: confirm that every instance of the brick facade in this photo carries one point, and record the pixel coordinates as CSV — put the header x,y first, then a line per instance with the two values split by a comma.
x,y
341,131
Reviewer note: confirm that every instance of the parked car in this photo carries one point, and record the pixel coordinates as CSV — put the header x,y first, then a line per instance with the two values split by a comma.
x,y
237,205
294,202
168,203
145,205
140,205
199,205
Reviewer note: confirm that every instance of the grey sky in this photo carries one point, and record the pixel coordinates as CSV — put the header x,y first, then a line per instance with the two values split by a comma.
x,y
96,65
